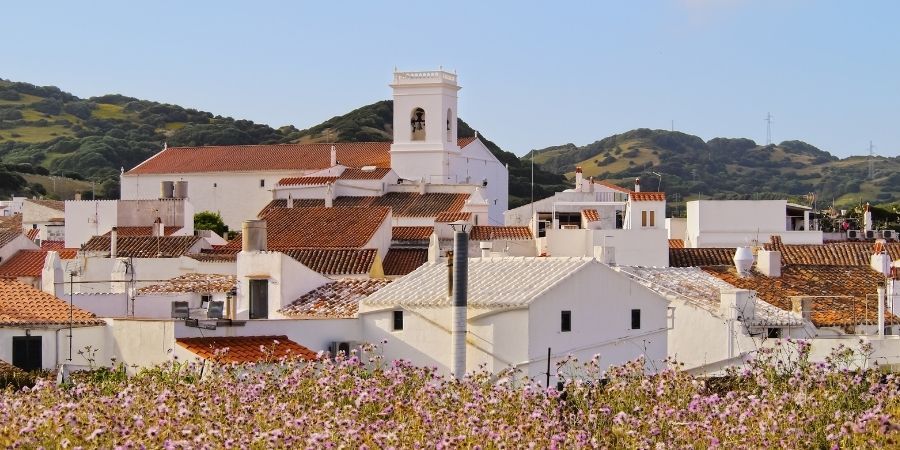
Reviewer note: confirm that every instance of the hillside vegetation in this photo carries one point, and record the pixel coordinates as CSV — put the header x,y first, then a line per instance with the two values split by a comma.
x,y
726,168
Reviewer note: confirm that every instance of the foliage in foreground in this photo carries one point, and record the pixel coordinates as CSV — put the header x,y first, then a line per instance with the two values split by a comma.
x,y
773,402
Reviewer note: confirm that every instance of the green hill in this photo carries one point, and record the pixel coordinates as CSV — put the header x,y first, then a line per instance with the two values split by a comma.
x,y
45,129
726,168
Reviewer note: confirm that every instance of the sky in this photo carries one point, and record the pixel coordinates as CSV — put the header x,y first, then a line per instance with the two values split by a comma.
x,y
534,74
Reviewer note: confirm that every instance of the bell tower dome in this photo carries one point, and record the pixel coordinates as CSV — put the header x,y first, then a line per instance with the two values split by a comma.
x,y
424,125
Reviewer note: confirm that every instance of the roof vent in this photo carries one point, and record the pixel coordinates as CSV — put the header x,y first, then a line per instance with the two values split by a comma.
x,y
743,260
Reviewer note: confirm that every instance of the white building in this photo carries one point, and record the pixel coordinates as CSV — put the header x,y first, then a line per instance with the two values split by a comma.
x,y
735,223
86,219
426,150
45,217
518,308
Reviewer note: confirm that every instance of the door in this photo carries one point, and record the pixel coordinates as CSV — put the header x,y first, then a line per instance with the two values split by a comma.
x,y
27,352
259,299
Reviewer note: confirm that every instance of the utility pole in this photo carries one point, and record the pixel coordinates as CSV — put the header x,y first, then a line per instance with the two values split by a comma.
x,y
768,120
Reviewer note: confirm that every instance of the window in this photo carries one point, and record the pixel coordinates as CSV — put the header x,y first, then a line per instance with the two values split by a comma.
x,y
417,123
635,319
449,125
643,218
773,333
259,299
565,323
262,183
652,218
204,300
398,320
26,352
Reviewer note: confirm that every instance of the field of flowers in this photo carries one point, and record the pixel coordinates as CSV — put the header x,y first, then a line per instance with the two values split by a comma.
x,y
366,402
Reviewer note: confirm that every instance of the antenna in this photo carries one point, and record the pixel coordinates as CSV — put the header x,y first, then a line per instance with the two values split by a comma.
x,y
871,161
768,120
673,125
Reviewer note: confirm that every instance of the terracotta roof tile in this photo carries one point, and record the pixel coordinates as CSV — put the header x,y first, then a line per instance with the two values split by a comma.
x,y
144,246
647,196
246,349
322,227
202,283
53,245
339,299
11,223
401,261
676,243
242,158
411,233
214,257
448,216
488,232
402,204
8,236
591,215
21,304
336,261
32,234
29,263
141,231
52,204
352,173
306,181
835,254
464,141
842,295
700,257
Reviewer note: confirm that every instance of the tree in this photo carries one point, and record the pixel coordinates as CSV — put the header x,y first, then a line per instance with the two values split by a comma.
x,y
208,220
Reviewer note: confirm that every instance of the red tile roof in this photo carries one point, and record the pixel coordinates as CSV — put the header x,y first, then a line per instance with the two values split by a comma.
x,y
245,158
401,261
52,204
488,232
144,246
53,245
339,299
246,349
591,215
32,234
676,243
700,257
140,231
202,283
11,223
835,254
336,261
448,216
322,227
8,236
29,263
402,204
612,186
352,173
306,181
842,295
215,256
411,233
464,141
21,304
647,196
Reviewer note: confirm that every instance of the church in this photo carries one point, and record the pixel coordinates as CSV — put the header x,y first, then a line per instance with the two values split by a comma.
x,y
426,156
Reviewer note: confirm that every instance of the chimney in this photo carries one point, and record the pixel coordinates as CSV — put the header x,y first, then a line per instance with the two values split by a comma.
x,y
737,304
591,184
159,230
329,196
802,306
78,196
113,242
880,261
768,263
52,275
333,156
579,179
881,301
253,236
867,219
434,248
637,184
290,201
743,261
422,186
486,247
460,302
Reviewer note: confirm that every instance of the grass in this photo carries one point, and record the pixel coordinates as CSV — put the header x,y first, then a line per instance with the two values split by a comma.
x,y
24,99
35,134
109,111
65,187
173,126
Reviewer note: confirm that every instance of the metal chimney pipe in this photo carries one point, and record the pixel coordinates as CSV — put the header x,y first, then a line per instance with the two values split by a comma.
x,y
460,301
113,242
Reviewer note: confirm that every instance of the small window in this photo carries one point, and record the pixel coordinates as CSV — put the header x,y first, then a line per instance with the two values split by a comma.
x,y
398,320
635,319
643,218
565,323
26,352
262,183
652,218
773,333
204,300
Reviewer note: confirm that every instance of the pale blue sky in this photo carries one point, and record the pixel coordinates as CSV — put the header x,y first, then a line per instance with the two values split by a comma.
x,y
534,74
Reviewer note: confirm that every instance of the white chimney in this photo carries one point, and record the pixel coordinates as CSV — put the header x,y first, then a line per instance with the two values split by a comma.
x,y
52,276
290,201
867,219
591,184
579,179
422,186
743,261
329,196
637,184
113,242
486,247
333,156
159,229
434,248
253,236
78,196
880,261
802,306
768,263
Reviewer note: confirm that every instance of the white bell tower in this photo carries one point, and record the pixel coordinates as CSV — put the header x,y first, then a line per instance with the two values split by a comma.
x,y
424,125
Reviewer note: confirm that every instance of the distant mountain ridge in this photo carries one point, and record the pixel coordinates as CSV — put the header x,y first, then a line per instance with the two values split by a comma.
x,y
726,167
